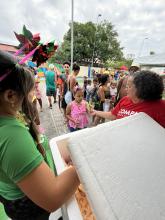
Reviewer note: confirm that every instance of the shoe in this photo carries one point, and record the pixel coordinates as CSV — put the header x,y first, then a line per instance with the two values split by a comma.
x,y
55,101
50,106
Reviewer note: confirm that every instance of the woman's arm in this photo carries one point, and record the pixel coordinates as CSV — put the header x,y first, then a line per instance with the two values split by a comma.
x,y
47,190
106,115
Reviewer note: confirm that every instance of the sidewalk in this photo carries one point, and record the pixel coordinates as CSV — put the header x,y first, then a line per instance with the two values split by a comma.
x,y
52,120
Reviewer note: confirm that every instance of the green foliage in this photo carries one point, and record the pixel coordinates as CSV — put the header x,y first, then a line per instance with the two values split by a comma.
x,y
117,64
107,45
91,41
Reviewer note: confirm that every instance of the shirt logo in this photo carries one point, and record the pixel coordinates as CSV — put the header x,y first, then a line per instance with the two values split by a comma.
x,y
125,112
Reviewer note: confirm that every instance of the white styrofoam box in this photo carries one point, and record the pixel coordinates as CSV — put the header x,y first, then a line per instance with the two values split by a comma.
x,y
72,208
121,165
55,215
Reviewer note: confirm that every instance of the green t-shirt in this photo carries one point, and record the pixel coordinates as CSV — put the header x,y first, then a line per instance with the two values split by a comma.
x,y
50,80
18,156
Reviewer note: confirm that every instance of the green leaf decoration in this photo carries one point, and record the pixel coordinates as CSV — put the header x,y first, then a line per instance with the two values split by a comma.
x,y
27,33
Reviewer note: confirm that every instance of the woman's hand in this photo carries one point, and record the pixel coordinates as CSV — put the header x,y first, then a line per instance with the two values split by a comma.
x,y
93,112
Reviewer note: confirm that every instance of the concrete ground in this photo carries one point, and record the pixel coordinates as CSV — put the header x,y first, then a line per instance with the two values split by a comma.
x,y
52,120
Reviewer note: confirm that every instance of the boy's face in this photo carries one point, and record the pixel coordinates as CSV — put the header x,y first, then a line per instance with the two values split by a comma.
x,y
66,68
94,83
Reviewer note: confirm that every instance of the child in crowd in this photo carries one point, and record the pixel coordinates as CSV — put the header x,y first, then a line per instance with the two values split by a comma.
x,y
76,112
88,89
93,99
113,92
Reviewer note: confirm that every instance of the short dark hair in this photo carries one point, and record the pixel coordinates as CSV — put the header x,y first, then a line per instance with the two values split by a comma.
x,y
104,78
95,79
149,85
66,62
76,67
89,81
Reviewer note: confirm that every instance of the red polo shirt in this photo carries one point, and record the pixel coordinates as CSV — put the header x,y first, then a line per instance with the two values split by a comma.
x,y
155,109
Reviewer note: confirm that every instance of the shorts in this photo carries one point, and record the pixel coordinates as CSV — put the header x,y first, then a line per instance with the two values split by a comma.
x,y
50,92
74,129
24,209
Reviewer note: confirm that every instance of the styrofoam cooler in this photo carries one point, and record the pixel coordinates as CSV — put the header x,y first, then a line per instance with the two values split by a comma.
x,y
121,166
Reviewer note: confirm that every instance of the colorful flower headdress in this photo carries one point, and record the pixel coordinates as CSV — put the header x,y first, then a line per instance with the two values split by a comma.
x,y
31,46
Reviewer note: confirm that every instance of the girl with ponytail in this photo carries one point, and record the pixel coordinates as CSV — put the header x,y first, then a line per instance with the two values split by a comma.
x,y
29,188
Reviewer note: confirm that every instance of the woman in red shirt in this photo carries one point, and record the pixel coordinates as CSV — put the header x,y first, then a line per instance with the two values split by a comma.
x,y
144,94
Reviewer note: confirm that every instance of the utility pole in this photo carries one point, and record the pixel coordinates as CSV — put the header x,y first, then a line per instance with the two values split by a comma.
x,y
72,21
94,45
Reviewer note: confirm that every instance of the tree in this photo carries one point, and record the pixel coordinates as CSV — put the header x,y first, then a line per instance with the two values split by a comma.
x,y
89,39
117,64
108,47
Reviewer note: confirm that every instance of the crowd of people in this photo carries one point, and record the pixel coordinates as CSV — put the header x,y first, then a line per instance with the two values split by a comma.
x,y
100,94
25,156
104,94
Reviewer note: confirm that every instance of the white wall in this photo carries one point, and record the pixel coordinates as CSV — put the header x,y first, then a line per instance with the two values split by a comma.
x,y
84,70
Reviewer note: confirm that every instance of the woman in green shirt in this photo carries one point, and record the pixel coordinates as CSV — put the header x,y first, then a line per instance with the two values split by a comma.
x,y
29,188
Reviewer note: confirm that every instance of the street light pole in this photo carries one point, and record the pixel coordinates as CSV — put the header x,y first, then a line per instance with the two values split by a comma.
x,y
72,20
93,54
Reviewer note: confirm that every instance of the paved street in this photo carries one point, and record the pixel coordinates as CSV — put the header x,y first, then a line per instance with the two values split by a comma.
x,y
52,120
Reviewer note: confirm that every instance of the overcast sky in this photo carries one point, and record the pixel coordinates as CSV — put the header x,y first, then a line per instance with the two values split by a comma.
x,y
140,23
